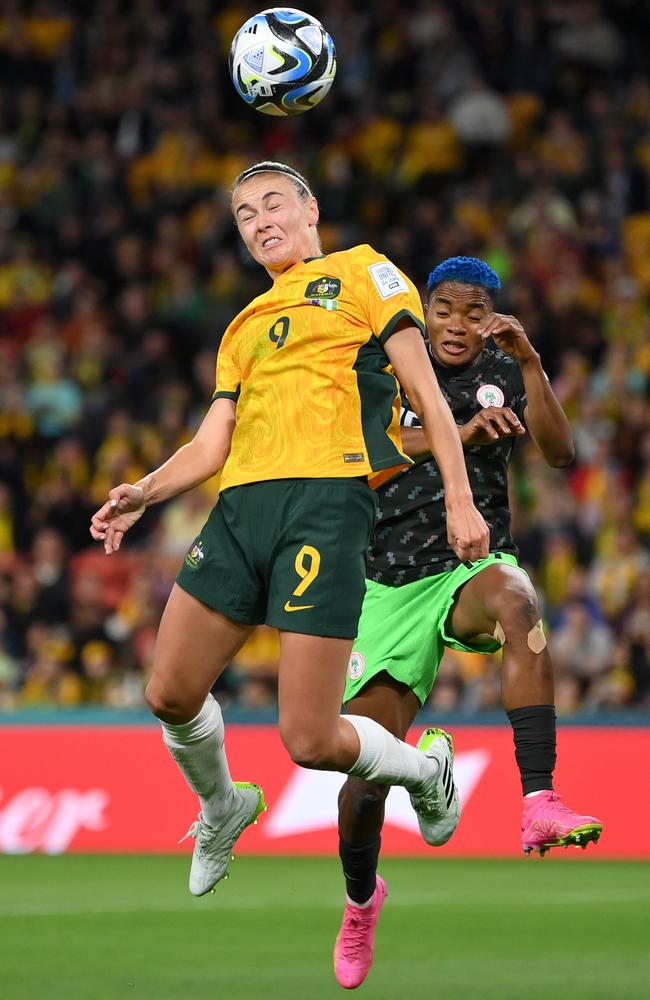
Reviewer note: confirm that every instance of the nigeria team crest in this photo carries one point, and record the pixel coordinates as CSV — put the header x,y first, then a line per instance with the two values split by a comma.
x,y
490,395
356,666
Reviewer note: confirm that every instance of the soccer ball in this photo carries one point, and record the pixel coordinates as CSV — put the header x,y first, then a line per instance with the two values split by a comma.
x,y
282,61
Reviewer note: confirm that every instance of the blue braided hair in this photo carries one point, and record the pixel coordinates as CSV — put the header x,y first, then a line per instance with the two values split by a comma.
x,y
465,270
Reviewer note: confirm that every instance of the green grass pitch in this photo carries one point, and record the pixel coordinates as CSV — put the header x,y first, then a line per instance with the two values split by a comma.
x,y
103,928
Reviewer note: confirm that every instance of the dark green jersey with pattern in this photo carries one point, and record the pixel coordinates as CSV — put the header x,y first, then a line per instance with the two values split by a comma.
x,y
410,541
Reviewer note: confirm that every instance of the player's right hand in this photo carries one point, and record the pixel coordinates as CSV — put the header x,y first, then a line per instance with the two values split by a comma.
x,y
490,424
125,506
467,533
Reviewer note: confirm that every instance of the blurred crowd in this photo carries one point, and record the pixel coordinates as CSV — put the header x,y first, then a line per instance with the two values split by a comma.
x,y
511,130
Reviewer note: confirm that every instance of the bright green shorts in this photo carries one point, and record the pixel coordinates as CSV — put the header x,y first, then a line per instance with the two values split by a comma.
x,y
288,552
403,630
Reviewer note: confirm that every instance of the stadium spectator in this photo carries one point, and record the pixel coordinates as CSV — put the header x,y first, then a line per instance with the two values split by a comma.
x,y
119,269
581,647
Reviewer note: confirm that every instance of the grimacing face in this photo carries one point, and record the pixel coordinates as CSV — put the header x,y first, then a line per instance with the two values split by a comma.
x,y
455,315
276,224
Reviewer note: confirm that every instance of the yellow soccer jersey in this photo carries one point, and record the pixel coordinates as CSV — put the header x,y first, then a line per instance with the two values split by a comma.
x,y
316,396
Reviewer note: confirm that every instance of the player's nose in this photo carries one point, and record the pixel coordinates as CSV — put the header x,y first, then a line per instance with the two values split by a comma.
x,y
263,221
455,325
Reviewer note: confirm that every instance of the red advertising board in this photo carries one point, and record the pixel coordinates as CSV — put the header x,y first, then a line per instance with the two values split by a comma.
x,y
115,789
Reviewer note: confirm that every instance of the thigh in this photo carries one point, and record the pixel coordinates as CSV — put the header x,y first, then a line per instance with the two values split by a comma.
x,y
476,607
311,682
194,645
388,702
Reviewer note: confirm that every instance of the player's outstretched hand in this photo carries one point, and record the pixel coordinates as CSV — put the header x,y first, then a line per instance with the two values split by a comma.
x,y
125,506
490,424
508,334
467,533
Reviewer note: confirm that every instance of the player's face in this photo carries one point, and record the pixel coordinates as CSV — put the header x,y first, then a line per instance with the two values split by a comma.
x,y
455,314
276,224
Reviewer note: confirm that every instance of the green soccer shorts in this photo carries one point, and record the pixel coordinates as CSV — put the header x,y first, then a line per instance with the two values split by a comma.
x,y
287,552
403,630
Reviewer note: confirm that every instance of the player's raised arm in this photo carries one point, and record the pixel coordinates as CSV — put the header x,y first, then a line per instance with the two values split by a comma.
x,y
486,427
192,464
545,418
467,531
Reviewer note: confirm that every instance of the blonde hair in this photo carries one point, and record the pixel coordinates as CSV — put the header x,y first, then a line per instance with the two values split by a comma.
x,y
272,167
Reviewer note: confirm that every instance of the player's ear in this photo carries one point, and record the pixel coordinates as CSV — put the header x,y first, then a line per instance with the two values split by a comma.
x,y
313,212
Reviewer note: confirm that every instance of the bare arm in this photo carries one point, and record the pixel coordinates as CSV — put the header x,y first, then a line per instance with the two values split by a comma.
x,y
192,464
466,530
545,418
197,461
414,442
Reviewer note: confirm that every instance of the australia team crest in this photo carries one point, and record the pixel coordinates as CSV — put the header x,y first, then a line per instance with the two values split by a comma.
x,y
195,556
323,288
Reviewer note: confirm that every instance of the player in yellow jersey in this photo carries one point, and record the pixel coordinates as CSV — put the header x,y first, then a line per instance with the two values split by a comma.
x,y
303,421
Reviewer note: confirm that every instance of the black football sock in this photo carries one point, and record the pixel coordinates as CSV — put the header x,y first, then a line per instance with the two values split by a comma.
x,y
534,732
360,868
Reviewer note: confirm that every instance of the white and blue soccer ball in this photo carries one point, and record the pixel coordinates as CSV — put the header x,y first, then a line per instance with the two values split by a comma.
x,y
282,61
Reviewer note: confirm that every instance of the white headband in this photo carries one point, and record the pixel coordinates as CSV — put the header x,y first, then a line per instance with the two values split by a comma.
x,y
277,170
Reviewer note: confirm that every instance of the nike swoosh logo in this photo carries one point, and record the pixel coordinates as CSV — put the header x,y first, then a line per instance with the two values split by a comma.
x,y
298,607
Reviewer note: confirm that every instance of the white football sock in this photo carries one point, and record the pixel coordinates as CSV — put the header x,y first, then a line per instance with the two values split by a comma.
x,y
197,747
387,760
359,906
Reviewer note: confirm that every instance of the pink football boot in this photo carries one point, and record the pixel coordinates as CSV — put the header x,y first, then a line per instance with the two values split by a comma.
x,y
355,944
548,823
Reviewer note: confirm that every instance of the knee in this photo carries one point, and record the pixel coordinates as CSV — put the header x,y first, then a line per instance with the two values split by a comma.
x,y
165,705
516,609
307,749
363,797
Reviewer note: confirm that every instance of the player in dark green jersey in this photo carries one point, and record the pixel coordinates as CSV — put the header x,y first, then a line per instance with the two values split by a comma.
x,y
420,597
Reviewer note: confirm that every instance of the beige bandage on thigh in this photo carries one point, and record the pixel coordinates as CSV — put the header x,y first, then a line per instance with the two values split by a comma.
x,y
499,634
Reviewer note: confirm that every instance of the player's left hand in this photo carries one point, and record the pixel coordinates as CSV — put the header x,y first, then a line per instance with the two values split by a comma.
x,y
490,424
508,334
